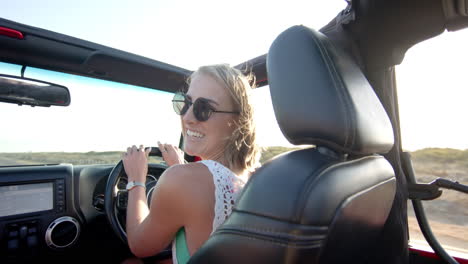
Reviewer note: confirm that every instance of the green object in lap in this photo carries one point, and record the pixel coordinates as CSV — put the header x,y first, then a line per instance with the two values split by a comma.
x,y
182,252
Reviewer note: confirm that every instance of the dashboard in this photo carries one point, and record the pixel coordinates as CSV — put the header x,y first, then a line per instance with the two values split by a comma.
x,y
54,211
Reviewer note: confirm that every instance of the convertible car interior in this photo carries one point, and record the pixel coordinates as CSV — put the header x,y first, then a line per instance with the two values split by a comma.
x,y
341,199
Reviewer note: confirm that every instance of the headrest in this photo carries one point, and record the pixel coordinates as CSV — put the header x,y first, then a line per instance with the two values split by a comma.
x,y
321,97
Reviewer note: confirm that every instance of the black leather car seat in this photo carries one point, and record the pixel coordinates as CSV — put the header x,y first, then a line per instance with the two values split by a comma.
x,y
324,204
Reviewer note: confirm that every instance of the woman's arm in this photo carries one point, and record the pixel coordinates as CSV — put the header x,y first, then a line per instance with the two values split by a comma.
x,y
184,197
150,230
136,167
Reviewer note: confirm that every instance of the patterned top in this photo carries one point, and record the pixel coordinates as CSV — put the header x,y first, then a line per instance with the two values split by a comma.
x,y
227,189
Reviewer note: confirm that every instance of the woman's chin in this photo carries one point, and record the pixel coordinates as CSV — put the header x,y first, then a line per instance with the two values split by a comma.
x,y
191,151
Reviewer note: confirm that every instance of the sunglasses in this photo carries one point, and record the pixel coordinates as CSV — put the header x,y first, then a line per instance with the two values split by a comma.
x,y
202,108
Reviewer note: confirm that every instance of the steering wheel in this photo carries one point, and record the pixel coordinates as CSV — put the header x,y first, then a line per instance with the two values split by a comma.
x,y
115,199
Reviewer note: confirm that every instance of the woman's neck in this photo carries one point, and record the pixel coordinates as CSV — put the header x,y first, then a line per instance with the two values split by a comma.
x,y
217,156
220,158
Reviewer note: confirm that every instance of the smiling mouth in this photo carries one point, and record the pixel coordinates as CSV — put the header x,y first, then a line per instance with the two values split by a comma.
x,y
194,134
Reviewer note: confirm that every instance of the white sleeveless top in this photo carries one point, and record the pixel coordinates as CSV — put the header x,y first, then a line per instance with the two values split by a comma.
x,y
227,188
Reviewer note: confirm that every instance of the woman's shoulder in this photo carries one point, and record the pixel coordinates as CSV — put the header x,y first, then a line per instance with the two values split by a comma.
x,y
186,187
186,176
186,170
181,192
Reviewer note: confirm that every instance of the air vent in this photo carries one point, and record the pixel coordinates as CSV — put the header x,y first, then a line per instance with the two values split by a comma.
x,y
62,233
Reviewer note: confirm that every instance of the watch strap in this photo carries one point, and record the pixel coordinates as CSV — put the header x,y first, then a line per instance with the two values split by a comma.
x,y
134,184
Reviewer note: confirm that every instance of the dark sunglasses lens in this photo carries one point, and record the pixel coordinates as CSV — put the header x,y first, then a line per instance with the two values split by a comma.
x,y
179,103
202,110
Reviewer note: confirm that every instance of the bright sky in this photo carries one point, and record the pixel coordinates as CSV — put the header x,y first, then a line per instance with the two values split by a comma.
x,y
194,33
433,93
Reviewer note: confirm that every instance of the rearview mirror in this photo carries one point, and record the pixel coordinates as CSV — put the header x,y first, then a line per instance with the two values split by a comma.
x,y
25,91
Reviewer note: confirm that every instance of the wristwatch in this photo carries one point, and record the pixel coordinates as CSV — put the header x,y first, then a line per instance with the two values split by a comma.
x,y
134,184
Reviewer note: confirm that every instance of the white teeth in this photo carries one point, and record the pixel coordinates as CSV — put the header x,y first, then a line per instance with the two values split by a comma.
x,y
194,134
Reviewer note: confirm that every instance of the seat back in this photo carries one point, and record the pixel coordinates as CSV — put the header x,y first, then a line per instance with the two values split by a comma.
x,y
324,204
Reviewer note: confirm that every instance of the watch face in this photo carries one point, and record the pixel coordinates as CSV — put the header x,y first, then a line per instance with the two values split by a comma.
x,y
129,185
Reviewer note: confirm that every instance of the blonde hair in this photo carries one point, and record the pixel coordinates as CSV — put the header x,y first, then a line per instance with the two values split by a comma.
x,y
241,152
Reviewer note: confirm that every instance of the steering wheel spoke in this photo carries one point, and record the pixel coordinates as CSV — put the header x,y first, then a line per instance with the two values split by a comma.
x,y
122,200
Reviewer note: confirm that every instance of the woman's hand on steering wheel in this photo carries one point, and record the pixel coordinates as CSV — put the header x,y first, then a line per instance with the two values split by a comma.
x,y
172,155
135,162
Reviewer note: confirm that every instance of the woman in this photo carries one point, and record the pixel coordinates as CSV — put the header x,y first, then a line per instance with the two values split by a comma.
x,y
192,200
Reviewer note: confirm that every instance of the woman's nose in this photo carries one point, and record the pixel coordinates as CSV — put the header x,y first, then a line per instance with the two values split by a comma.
x,y
189,116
